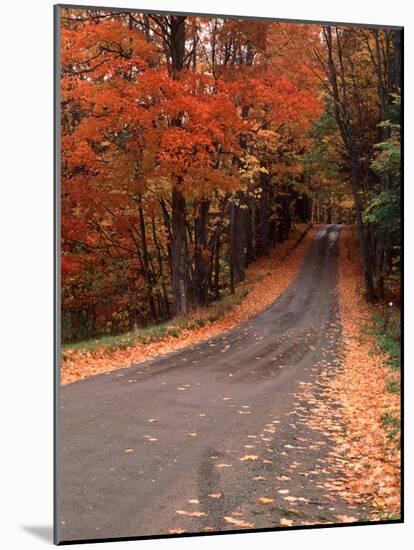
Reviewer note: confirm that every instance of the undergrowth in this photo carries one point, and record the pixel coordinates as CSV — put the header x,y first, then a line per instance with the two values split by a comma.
x,y
388,341
197,318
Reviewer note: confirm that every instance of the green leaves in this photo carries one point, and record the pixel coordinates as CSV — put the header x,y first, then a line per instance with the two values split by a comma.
x,y
383,214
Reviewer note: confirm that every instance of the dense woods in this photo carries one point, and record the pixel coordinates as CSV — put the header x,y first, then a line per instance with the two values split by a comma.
x,y
191,145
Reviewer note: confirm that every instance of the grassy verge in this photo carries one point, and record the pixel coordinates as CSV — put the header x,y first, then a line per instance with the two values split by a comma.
x,y
155,333
389,343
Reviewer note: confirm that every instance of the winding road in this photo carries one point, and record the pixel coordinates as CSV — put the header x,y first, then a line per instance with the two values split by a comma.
x,y
191,440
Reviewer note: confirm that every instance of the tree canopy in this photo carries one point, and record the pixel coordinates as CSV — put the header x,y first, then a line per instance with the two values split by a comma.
x,y
191,144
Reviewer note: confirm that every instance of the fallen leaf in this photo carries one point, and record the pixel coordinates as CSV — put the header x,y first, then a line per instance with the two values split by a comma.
x,y
284,522
248,458
346,519
190,514
296,499
238,522
264,500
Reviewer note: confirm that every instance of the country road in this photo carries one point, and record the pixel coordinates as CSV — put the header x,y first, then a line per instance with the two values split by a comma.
x,y
187,440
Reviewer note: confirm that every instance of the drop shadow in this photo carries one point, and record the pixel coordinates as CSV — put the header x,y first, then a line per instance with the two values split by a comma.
x,y
43,532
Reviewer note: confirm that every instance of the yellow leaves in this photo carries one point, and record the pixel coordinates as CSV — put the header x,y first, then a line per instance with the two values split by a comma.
x,y
284,522
283,478
129,450
247,458
238,522
223,465
283,491
250,167
194,514
193,501
264,500
259,478
215,495
176,531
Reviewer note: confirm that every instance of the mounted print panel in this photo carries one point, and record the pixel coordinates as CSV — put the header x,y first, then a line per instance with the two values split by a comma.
x,y
228,274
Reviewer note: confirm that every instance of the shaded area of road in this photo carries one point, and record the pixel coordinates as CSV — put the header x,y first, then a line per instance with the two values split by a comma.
x,y
192,440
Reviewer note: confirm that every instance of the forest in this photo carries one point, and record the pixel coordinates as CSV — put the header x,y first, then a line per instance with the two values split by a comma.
x,y
192,145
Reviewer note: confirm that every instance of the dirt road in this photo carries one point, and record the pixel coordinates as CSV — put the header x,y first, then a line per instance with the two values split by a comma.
x,y
191,441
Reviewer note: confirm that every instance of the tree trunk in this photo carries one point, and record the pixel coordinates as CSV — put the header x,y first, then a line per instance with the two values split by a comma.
x,y
237,242
166,305
201,258
217,269
362,236
179,254
264,215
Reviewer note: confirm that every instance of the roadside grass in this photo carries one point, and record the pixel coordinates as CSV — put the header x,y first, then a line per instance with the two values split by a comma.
x,y
197,318
393,426
388,341
389,516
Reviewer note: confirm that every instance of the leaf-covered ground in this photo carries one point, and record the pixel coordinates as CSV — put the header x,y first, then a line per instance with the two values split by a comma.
x,y
373,465
266,279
